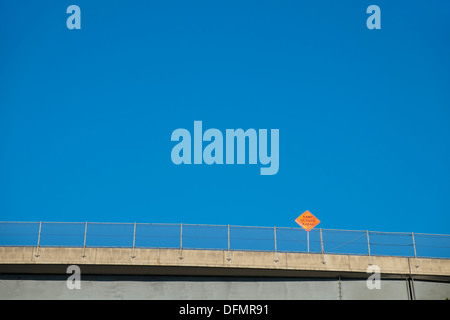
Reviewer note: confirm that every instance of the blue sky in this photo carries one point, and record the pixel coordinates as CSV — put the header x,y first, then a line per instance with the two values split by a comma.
x,y
86,115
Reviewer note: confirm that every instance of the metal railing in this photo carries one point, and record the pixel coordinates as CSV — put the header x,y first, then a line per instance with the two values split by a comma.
x,y
223,237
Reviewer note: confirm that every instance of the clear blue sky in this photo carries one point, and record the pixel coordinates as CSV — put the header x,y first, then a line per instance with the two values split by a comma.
x,y
86,115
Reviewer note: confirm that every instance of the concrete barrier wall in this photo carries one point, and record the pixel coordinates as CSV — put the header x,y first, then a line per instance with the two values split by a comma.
x,y
270,261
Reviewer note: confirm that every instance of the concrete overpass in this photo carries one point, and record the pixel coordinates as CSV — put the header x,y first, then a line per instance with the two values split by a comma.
x,y
136,273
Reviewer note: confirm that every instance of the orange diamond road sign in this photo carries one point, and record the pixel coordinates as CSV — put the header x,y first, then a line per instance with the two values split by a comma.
x,y
307,220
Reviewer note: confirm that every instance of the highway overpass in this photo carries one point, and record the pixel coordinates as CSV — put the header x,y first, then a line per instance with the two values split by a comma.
x,y
30,272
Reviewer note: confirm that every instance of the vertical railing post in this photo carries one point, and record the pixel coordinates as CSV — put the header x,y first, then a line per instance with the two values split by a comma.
x,y
39,239
321,246
368,248
84,241
414,246
275,240
134,241
181,242
228,245
228,237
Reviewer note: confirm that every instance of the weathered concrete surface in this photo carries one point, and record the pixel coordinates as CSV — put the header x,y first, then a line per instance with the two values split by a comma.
x,y
210,262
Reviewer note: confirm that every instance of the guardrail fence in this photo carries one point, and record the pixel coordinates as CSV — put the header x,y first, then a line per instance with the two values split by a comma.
x,y
223,237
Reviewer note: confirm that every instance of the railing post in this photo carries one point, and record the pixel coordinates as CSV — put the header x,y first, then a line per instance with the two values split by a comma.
x,y
181,241
275,239
39,239
84,242
414,246
368,248
228,250
134,241
321,246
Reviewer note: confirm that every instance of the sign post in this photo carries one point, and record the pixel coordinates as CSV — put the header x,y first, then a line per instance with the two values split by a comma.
x,y
307,239
307,221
